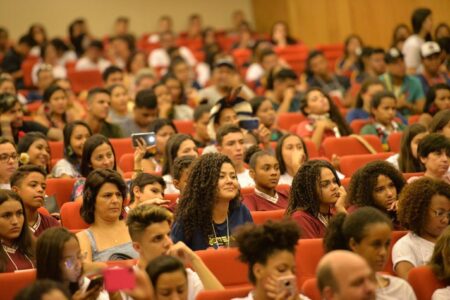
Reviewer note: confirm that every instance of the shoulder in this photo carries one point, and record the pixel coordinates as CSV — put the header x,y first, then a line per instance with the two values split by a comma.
x,y
441,294
368,128
49,221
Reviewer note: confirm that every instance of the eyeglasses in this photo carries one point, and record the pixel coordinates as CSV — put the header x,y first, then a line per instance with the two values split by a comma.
x,y
4,158
441,214
71,261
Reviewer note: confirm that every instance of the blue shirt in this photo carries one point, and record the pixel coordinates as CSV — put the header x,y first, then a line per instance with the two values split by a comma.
x,y
359,113
222,237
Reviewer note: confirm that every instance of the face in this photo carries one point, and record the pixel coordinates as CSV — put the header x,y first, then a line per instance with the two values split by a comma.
x,y
45,79
222,76
280,263
266,113
102,157
79,136
154,241
437,216
114,78
372,90
269,62
145,83
11,220
201,125
280,86
446,130
180,184
328,187
144,116
163,134
138,62
292,146
233,147
187,147
94,53
150,191
163,94
8,87
119,99
228,116
384,192
432,63
39,153
319,65
267,172
353,46
279,29
108,203
16,115
99,106
172,285
317,103
8,161
415,142
181,71
385,112
228,185
175,88
374,247
51,55
397,68
436,162
442,100
377,63
72,261
58,102
167,40
32,190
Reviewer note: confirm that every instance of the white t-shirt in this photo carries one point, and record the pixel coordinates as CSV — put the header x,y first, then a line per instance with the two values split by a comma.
x,y
393,160
413,249
84,285
441,294
85,63
210,149
411,51
254,72
159,58
250,297
64,167
195,285
397,289
286,179
245,180
170,187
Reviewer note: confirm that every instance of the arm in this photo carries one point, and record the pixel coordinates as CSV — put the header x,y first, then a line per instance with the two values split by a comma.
x,y
402,269
85,246
317,136
287,99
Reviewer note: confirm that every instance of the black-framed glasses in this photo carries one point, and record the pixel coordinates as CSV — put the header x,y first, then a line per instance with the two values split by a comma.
x,y
441,214
5,157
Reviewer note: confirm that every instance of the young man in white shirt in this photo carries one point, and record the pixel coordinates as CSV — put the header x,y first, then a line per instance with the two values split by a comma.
x,y
92,59
149,228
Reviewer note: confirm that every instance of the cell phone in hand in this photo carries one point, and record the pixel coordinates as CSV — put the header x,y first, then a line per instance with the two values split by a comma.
x,y
287,283
95,281
118,278
249,124
149,138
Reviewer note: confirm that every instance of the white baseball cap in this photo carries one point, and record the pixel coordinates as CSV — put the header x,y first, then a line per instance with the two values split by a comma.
x,y
429,48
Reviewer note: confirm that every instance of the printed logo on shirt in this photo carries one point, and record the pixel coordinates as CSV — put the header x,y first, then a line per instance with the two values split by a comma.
x,y
219,242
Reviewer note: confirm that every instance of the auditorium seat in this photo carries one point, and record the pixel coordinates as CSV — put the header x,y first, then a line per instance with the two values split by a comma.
x,y
184,126
27,67
413,119
33,107
261,217
424,282
307,257
351,163
312,149
241,57
126,162
348,145
310,289
56,149
70,216
12,283
84,80
409,175
395,236
229,293
288,119
394,141
122,146
60,188
247,191
358,124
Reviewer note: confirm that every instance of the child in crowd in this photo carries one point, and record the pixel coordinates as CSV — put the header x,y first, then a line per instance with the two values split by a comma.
x,y
291,153
264,111
147,189
34,149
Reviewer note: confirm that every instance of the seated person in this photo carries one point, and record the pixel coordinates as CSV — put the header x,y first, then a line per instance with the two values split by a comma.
x,y
358,233
369,87
16,238
12,61
29,183
149,228
93,58
348,63
103,208
144,113
265,171
75,135
147,189
269,251
440,264
43,289
112,75
44,79
430,52
383,111
438,99
208,217
263,109
378,184
9,162
441,123
54,113
291,153
181,109
423,209
201,120
12,124
118,110
33,149
281,89
316,194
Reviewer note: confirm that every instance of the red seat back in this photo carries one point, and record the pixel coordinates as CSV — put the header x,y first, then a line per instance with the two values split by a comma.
x,y
288,119
309,252
358,124
56,149
60,188
13,283
424,282
394,141
70,216
349,164
348,145
261,217
27,67
126,162
395,236
413,119
224,294
184,126
310,289
122,146
84,80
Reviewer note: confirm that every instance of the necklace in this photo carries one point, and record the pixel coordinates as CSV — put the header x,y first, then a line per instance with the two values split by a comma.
x,y
215,235
12,250
36,225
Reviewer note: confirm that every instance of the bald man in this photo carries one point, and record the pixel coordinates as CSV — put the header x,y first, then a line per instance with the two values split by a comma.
x,y
344,275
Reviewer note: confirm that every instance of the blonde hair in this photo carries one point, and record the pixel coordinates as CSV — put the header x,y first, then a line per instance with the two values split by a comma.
x,y
143,216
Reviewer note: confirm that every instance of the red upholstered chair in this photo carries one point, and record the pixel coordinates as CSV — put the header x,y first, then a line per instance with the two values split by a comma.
x,y
184,126
122,146
288,119
307,257
12,283
424,282
312,149
345,182
409,175
310,289
56,149
225,294
358,124
226,266
27,67
349,164
84,80
413,119
126,162
394,141
70,216
348,145
241,56
60,188
247,191
261,217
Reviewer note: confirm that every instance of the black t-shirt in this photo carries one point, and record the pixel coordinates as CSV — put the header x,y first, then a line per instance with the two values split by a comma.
x,y
29,126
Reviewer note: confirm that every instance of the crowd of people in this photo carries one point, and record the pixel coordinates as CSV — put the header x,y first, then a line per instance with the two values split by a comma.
x,y
153,83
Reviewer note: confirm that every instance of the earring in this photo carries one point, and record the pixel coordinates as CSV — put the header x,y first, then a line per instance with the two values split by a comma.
x,y
69,151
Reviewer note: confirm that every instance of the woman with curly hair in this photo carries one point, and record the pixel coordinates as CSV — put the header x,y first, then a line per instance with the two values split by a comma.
x,y
440,264
316,193
269,251
210,207
367,232
423,209
407,161
378,185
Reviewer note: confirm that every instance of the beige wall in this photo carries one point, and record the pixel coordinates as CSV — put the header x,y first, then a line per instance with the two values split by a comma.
x,y
18,15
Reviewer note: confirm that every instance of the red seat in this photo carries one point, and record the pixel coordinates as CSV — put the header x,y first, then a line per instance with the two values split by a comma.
x,y
43,211
184,126
224,294
171,197
345,182
349,164
310,289
348,145
27,67
395,236
424,282
84,80
122,146
394,141
247,191
126,162
358,124
409,175
261,217
12,283
288,119
307,257
226,266
56,149
312,149
122,263
33,107
294,55
413,119
241,56
60,188
70,216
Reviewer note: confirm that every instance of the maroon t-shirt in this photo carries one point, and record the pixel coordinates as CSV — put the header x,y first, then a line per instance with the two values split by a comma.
x,y
17,261
311,227
45,223
255,202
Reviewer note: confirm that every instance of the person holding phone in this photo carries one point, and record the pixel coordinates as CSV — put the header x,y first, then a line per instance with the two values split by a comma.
x,y
269,251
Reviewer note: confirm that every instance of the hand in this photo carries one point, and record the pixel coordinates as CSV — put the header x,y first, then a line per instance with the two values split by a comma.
x,y
340,203
143,289
273,291
393,206
164,108
298,158
263,134
156,201
289,94
91,294
401,101
140,151
182,252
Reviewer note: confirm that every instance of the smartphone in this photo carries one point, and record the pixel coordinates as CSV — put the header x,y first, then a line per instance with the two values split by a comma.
x,y
148,137
287,283
95,281
249,124
119,278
